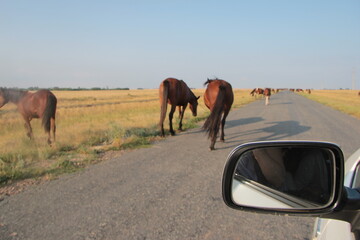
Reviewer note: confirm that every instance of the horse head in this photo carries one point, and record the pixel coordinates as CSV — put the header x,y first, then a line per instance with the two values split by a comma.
x,y
193,105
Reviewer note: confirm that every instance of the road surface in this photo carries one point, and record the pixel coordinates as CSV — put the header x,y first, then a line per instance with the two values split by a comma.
x,y
172,190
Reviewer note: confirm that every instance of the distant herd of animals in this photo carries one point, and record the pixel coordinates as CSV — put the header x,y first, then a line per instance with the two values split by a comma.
x,y
218,97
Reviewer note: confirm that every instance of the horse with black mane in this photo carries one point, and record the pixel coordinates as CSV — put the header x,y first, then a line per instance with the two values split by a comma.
x,y
176,93
219,98
41,104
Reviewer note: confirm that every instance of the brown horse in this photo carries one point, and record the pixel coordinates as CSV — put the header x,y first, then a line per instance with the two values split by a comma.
x,y
253,92
41,104
218,98
176,93
260,91
257,91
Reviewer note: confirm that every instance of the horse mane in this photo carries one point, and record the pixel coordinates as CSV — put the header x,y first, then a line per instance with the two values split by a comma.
x,y
207,82
210,80
12,95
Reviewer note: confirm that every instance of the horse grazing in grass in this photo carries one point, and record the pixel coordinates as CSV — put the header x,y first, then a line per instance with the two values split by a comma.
x,y
257,91
218,98
260,91
253,92
41,104
176,93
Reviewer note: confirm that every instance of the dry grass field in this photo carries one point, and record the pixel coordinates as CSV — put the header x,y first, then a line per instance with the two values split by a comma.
x,y
347,101
89,124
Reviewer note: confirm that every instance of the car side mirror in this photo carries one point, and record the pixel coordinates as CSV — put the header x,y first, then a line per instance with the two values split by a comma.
x,y
284,177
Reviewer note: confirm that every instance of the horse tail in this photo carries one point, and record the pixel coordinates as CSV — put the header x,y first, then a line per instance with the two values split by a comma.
x,y
212,123
163,98
49,113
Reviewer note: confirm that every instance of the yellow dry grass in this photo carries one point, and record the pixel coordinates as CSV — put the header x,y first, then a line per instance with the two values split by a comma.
x,y
88,122
347,101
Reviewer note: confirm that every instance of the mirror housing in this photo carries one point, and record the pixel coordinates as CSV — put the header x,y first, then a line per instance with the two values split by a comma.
x,y
298,206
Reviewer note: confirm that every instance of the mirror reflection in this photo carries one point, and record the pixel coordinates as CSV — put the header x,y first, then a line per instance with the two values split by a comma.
x,y
286,177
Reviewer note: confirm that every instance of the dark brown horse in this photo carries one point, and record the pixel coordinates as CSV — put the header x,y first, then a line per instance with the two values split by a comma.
x,y
218,98
176,93
41,104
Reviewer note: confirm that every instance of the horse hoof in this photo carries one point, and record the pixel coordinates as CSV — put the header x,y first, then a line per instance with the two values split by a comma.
x,y
172,134
211,148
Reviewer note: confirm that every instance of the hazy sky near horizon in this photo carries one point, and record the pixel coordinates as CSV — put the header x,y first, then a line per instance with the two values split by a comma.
x,y
137,44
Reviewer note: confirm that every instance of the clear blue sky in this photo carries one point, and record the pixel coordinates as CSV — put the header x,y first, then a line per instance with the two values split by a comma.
x,y
137,44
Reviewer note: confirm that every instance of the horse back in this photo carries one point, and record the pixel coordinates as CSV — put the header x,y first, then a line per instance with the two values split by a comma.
x,y
35,104
213,89
178,92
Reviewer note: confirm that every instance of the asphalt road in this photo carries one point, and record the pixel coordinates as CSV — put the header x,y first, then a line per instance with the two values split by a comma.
x,y
173,189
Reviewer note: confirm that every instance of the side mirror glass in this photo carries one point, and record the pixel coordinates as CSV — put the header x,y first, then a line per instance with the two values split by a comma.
x,y
283,176
293,177
356,178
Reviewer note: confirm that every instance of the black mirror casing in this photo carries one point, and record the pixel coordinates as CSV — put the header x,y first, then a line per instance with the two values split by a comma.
x,y
338,169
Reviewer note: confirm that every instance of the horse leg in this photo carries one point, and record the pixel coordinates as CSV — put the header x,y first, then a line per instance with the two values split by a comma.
x,y
53,130
179,111
171,114
181,117
28,128
222,134
212,143
49,138
162,126
162,129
